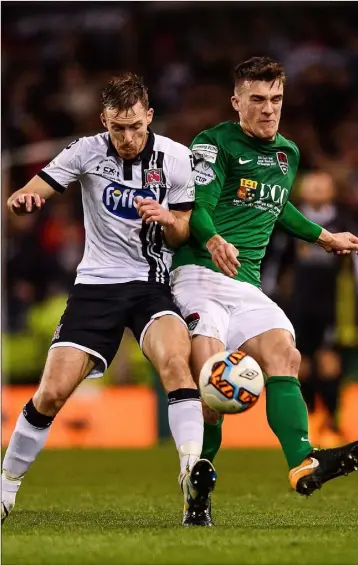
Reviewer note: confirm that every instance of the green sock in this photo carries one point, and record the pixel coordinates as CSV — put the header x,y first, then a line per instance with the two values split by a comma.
x,y
212,440
288,418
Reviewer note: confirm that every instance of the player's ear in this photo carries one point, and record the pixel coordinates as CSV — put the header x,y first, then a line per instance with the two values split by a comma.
x,y
150,114
103,120
235,103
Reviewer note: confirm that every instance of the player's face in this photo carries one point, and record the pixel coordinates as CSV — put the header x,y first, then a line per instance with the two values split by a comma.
x,y
128,128
259,105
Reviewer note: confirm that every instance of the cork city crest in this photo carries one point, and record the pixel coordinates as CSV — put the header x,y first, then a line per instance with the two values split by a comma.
x,y
282,161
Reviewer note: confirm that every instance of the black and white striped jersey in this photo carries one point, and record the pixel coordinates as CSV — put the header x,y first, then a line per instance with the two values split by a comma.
x,y
119,247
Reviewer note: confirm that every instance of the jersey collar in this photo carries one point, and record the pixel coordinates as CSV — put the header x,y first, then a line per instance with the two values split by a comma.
x,y
145,154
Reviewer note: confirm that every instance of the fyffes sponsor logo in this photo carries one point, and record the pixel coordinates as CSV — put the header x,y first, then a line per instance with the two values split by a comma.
x,y
118,199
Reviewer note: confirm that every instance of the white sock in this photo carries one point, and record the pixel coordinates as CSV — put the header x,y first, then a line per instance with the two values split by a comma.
x,y
187,426
25,444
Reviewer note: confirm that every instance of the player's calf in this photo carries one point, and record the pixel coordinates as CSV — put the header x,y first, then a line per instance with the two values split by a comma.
x,y
166,343
26,442
64,370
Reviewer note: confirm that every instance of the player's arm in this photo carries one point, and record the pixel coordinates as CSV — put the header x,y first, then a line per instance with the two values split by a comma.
x,y
209,177
181,197
31,197
181,192
55,177
297,225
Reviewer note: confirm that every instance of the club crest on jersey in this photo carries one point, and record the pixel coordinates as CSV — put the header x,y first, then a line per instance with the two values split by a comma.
x,y
56,335
247,189
192,321
118,199
153,178
282,161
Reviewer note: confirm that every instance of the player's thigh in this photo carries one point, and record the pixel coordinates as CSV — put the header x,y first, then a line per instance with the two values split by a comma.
x,y
275,352
261,329
202,296
162,334
94,322
167,345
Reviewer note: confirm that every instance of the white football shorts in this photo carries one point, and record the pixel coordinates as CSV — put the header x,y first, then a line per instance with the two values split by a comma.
x,y
217,306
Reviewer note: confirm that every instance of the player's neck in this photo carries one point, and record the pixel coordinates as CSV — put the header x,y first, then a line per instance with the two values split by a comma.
x,y
251,134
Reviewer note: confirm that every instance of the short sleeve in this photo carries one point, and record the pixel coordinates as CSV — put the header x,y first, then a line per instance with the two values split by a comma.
x,y
181,194
65,168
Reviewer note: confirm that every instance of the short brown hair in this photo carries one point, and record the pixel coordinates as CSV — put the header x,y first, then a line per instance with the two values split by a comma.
x,y
124,91
259,68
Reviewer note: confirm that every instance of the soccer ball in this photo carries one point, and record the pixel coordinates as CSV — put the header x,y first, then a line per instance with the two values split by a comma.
x,y
231,382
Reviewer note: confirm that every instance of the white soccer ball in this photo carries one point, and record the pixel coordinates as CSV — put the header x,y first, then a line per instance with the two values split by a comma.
x,y
231,382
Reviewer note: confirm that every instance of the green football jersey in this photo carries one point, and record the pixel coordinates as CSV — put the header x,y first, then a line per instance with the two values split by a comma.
x,y
243,183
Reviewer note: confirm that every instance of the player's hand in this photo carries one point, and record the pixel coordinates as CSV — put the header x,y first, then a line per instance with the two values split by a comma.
x,y
151,211
223,255
25,204
339,243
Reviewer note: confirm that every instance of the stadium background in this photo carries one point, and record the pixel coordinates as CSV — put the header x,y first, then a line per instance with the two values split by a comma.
x,y
56,57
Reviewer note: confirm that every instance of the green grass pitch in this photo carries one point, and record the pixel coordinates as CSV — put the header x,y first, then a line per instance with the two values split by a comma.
x,y
124,507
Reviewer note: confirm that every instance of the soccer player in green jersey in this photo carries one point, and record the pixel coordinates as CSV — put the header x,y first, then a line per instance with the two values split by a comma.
x,y
244,175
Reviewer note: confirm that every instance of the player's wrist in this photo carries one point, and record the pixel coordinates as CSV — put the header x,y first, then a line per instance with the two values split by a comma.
x,y
325,239
170,220
214,242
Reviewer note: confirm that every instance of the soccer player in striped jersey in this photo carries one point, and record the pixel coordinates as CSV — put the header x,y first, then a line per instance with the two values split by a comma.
x,y
137,194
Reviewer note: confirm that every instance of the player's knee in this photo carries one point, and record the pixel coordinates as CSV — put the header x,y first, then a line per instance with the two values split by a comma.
x,y
48,400
175,373
283,362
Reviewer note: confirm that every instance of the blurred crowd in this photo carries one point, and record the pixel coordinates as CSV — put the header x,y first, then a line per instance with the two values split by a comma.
x,y
56,58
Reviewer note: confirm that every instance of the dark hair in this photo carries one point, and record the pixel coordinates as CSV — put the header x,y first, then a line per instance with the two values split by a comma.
x,y
259,68
124,91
